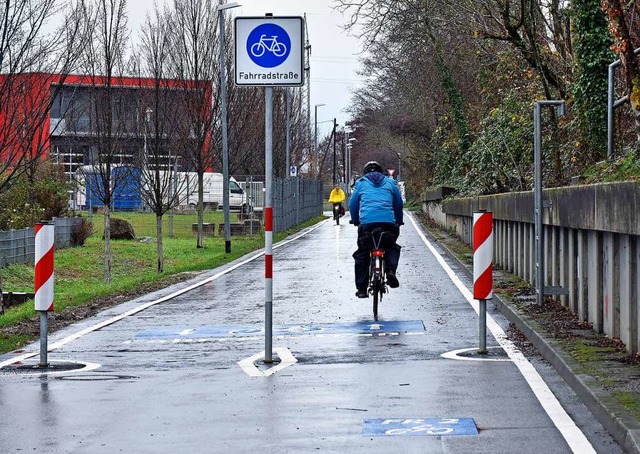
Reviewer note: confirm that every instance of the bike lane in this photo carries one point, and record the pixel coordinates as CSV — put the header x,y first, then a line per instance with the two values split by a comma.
x,y
179,376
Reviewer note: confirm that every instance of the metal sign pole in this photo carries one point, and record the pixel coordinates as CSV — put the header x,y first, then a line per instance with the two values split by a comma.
x,y
537,195
268,225
537,161
256,56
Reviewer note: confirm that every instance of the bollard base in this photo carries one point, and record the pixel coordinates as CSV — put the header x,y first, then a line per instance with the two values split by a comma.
x,y
44,330
268,362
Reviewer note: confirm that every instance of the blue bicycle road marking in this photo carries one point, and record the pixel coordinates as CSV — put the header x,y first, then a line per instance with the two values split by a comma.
x,y
292,329
268,45
388,427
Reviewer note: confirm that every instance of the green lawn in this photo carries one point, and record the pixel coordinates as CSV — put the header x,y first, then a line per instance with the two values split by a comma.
x,y
79,271
144,224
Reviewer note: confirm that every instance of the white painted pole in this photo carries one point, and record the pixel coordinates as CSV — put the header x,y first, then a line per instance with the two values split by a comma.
x,y
268,225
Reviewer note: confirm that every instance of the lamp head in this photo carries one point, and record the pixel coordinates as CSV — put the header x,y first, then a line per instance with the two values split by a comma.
x,y
227,6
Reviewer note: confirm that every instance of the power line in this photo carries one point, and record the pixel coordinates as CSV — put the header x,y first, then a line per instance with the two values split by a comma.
x,y
326,80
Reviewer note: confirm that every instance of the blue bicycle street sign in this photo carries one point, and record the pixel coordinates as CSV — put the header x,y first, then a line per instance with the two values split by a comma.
x,y
395,327
269,51
418,427
268,45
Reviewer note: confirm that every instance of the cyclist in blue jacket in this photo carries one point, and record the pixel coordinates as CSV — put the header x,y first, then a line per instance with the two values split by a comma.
x,y
376,202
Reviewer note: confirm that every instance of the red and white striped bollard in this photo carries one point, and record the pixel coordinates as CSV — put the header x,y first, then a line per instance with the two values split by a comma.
x,y
43,280
483,268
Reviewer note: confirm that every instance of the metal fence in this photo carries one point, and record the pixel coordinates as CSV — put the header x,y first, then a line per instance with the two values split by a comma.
x,y
18,246
295,200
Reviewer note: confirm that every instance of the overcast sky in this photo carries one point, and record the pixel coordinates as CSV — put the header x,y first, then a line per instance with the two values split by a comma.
x,y
334,54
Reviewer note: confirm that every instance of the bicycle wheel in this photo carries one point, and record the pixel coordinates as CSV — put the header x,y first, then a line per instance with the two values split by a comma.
x,y
257,49
375,286
279,49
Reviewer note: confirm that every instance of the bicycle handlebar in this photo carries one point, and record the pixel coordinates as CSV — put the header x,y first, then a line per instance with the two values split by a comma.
x,y
357,223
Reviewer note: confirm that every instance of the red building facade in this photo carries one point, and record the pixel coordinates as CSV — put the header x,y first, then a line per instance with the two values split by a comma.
x,y
69,119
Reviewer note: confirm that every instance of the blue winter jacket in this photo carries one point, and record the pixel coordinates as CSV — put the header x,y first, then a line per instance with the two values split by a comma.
x,y
376,198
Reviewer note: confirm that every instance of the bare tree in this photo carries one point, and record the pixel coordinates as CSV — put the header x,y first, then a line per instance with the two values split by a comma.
x,y
110,107
34,63
417,69
159,105
194,63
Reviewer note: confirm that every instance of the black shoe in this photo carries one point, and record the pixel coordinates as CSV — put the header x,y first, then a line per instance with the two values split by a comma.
x,y
392,280
362,293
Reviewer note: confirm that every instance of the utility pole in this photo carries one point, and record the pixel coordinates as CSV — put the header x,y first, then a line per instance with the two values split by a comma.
x,y
335,162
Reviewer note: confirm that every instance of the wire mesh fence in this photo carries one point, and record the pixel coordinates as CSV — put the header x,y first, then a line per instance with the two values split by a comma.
x,y
18,246
295,200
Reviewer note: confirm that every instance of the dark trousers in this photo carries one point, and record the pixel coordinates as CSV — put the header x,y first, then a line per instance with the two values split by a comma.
x,y
365,244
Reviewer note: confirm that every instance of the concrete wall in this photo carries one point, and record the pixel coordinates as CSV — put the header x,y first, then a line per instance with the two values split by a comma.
x,y
591,247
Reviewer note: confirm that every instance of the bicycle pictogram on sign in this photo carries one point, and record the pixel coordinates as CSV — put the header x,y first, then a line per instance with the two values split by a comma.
x,y
268,45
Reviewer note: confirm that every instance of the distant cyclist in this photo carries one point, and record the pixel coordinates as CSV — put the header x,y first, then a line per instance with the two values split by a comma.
x,y
337,198
376,202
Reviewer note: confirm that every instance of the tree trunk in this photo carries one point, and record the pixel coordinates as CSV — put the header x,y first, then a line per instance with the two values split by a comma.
x,y
107,244
200,210
159,237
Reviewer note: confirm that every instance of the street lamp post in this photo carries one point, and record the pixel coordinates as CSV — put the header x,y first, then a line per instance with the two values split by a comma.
x,y
147,119
145,159
223,114
335,130
349,146
315,141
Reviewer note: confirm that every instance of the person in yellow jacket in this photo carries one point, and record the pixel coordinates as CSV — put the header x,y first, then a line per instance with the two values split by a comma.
x,y
336,198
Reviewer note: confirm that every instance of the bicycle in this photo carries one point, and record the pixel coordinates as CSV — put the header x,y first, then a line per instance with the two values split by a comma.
x,y
278,49
377,286
337,212
377,274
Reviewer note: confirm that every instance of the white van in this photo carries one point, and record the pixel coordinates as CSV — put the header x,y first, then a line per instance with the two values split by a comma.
x,y
212,191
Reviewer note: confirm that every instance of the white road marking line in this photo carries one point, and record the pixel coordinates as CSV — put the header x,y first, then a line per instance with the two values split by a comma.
x,y
563,422
88,367
286,359
144,306
454,355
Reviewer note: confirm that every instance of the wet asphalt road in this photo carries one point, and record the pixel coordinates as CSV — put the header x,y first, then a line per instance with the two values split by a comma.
x,y
166,379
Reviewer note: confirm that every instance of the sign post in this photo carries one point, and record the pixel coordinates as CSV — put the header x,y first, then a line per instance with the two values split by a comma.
x,y
482,269
43,288
269,53
537,192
